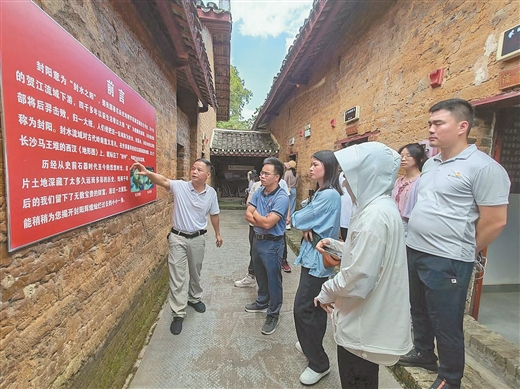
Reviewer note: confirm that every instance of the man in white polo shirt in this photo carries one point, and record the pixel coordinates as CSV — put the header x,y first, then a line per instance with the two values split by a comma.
x,y
194,200
461,208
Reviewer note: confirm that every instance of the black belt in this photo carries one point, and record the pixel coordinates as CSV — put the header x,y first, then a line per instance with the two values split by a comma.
x,y
268,237
189,236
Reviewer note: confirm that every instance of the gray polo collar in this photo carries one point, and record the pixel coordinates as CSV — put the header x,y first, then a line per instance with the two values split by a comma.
x,y
464,154
190,185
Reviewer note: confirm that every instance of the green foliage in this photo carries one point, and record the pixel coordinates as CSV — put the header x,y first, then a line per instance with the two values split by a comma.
x,y
239,97
253,117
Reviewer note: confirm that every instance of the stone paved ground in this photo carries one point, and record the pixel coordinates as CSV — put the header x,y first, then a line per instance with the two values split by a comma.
x,y
223,347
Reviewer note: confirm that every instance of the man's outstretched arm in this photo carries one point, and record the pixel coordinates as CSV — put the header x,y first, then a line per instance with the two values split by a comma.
x,y
156,178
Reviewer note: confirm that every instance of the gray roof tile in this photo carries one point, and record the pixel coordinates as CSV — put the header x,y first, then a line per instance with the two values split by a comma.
x,y
243,143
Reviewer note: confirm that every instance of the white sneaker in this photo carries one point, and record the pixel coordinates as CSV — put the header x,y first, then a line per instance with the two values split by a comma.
x,y
246,282
299,347
310,377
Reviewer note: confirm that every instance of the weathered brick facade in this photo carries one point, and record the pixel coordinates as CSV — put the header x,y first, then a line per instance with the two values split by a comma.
x,y
383,65
207,121
76,307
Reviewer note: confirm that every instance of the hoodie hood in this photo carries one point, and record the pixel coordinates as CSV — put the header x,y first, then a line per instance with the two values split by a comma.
x,y
371,170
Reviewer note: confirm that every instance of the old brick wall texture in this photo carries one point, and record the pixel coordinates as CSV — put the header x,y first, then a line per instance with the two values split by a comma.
x,y
206,121
70,298
384,65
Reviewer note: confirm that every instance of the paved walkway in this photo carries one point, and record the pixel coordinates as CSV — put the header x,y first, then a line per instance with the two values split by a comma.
x,y
223,347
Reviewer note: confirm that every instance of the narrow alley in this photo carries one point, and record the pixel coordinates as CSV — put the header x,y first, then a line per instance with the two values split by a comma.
x,y
223,347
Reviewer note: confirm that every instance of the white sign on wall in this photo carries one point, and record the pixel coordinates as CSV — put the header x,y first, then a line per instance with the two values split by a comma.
x,y
240,167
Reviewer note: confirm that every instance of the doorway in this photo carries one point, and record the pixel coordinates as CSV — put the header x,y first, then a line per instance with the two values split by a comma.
x,y
500,296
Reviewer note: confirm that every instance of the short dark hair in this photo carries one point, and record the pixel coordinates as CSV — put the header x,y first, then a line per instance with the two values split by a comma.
x,y
459,108
417,152
206,162
331,165
277,166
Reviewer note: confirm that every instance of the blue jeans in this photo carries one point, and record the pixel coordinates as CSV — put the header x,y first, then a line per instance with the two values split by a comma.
x,y
267,260
438,289
292,201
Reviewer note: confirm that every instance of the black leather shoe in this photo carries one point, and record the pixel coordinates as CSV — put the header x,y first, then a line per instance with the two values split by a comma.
x,y
199,306
176,326
415,359
440,383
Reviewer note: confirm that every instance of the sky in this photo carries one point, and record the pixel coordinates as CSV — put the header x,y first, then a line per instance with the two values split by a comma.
x,y
263,31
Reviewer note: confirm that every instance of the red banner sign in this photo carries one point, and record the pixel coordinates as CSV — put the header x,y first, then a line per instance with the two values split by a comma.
x,y
71,129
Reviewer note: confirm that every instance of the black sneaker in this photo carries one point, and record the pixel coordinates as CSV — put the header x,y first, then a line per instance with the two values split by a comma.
x,y
176,326
253,308
440,383
415,359
270,325
199,306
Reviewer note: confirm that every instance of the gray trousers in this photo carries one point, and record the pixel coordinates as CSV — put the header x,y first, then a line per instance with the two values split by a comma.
x,y
185,256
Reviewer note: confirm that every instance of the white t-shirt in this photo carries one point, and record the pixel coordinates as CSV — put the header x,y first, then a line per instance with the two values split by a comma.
x,y
190,210
346,205
258,184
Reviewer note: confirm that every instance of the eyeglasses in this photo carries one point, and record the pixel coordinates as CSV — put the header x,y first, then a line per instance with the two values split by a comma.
x,y
267,174
406,156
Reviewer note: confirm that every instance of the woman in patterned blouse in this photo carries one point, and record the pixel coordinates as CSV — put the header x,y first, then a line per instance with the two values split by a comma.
x,y
413,157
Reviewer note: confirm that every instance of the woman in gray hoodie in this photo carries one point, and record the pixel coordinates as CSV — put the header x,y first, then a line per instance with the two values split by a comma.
x,y
368,298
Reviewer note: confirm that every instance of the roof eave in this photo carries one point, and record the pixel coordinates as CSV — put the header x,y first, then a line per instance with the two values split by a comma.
x,y
219,23
185,9
290,59
311,39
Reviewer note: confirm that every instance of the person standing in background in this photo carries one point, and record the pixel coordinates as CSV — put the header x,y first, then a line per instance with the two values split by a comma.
x,y
285,265
346,209
291,178
252,177
404,193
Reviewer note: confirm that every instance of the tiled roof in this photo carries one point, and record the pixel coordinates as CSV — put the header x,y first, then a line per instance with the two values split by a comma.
x,y
243,143
176,29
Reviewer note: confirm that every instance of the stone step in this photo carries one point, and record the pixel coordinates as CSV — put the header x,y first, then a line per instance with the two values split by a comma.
x,y
476,376
492,352
491,362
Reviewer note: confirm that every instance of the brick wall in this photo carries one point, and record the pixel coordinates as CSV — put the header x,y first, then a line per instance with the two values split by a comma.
x,y
207,121
183,139
69,299
383,66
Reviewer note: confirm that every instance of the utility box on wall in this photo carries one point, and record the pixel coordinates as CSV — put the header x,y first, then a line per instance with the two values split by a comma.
x,y
307,131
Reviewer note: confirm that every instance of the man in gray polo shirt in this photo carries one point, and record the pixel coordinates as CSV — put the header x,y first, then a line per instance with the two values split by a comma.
x,y
461,208
194,200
